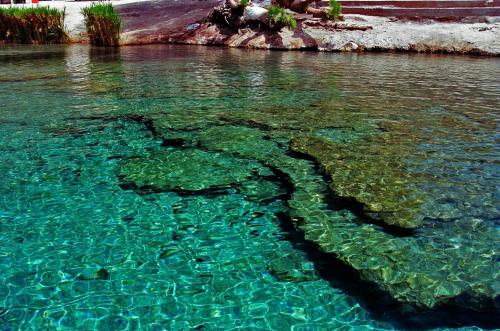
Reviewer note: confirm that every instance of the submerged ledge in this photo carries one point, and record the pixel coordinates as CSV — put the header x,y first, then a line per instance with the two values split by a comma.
x,y
405,271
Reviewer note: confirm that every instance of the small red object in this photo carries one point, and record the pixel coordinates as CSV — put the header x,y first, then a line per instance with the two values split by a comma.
x,y
34,1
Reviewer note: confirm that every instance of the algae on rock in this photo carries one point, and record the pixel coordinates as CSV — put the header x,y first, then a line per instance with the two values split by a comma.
x,y
425,270
290,268
188,170
371,175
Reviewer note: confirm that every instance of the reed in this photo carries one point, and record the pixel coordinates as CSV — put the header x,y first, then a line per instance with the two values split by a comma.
x,y
334,10
103,24
279,18
36,25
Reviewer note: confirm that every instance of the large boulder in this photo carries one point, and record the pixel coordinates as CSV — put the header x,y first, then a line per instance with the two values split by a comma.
x,y
255,13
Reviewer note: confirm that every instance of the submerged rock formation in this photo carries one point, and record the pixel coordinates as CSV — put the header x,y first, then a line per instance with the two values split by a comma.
x,y
437,264
187,170
372,176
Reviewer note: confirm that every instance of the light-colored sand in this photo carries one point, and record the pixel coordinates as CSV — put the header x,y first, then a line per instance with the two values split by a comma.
x,y
417,36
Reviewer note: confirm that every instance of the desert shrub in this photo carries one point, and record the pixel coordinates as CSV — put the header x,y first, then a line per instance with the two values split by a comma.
x,y
102,23
279,18
36,25
334,10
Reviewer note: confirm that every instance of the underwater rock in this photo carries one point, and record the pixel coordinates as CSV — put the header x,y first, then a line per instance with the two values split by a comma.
x,y
185,121
262,190
423,271
420,271
168,252
291,268
186,170
377,180
285,118
453,265
246,142
92,274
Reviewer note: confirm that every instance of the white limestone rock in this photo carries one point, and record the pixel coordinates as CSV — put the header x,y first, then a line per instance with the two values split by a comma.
x,y
255,13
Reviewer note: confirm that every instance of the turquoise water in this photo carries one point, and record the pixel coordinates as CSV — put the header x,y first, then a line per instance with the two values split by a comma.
x,y
154,187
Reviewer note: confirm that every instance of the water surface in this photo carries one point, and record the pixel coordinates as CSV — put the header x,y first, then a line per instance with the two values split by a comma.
x,y
155,187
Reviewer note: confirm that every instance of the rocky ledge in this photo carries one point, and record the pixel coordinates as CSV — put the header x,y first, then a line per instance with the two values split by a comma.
x,y
418,260
184,22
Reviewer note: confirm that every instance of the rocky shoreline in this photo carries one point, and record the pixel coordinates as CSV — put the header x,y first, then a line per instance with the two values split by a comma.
x,y
183,22
169,22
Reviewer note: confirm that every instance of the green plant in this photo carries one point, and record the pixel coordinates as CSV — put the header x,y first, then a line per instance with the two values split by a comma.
x,y
32,25
279,18
334,10
103,24
244,3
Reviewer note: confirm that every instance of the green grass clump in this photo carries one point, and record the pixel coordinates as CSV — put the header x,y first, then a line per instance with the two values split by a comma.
x,y
334,10
36,25
103,24
279,18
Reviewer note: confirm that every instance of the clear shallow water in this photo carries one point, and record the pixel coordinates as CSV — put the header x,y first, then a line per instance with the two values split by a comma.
x,y
84,246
